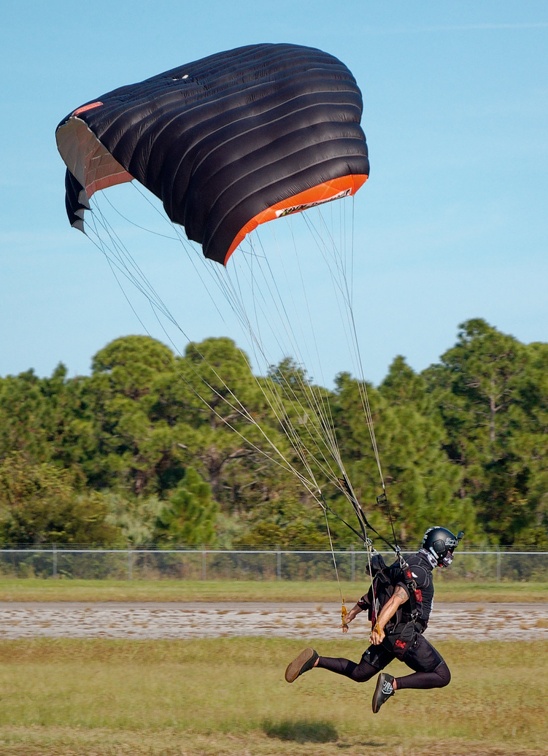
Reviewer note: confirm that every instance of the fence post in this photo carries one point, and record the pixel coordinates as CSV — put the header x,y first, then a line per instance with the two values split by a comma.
x,y
204,564
278,564
352,563
54,560
499,557
129,564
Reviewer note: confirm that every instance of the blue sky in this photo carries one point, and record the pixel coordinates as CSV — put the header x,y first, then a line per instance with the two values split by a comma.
x,y
453,223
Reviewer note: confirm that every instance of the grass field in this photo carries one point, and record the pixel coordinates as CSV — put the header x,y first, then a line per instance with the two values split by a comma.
x,y
34,589
228,696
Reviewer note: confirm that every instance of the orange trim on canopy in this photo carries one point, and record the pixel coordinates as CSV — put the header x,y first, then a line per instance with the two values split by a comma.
x,y
344,186
87,107
105,181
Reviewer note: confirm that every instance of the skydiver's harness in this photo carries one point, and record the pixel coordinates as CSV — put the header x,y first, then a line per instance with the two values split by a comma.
x,y
384,581
402,629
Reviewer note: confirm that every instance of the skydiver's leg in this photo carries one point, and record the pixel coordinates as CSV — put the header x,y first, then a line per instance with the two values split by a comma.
x,y
430,669
358,672
439,678
372,661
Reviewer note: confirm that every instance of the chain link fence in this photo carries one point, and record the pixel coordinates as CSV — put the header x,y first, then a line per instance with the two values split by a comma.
x,y
204,564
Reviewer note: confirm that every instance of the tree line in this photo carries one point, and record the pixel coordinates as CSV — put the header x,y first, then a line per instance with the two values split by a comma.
x,y
151,450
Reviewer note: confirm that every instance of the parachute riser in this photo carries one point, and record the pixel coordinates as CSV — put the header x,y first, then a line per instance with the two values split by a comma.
x,y
362,519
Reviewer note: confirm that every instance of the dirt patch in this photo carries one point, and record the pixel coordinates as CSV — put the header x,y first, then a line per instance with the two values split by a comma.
x,y
480,621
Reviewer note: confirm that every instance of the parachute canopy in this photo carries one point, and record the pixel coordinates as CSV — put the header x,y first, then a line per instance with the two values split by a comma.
x,y
226,142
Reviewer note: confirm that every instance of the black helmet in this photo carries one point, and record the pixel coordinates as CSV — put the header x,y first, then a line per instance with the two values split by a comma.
x,y
440,544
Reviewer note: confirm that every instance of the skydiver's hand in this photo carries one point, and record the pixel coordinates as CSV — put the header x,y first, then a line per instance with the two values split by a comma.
x,y
347,617
377,636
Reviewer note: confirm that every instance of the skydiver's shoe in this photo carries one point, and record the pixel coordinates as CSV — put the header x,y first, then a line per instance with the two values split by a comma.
x,y
383,690
304,661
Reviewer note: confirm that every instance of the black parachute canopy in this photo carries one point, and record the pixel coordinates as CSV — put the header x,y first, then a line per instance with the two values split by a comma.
x,y
226,142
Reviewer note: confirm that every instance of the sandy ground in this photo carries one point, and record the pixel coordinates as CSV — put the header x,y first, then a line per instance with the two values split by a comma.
x,y
300,620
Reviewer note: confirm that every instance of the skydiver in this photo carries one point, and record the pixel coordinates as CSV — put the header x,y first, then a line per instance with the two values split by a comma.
x,y
398,623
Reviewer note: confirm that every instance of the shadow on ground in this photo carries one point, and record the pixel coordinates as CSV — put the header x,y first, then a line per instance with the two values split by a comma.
x,y
301,731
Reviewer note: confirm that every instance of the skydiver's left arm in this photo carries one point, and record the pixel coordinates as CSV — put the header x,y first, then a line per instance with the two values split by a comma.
x,y
399,597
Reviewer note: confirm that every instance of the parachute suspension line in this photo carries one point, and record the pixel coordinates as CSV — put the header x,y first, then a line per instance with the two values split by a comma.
x,y
364,395
344,611
119,257
347,296
297,388
202,268
264,296
126,263
136,187
321,399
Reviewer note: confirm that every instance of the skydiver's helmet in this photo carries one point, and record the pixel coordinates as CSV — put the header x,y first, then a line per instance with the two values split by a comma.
x,y
439,544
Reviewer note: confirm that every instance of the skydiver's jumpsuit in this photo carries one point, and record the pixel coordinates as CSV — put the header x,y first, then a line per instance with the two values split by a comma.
x,y
404,637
